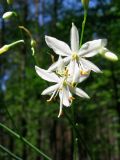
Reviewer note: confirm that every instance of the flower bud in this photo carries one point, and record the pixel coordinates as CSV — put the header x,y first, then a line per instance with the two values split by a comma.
x,y
33,51
33,43
6,47
85,4
108,54
111,56
9,1
8,15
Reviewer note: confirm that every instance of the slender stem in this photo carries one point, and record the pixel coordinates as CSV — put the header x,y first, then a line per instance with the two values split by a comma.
x,y
83,27
26,30
74,136
30,35
11,118
25,141
17,42
10,153
78,135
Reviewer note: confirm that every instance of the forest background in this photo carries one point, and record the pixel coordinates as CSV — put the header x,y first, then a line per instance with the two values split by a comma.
x,y
98,119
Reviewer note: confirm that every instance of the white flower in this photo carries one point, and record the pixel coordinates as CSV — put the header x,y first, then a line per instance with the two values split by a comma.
x,y
62,87
74,72
76,54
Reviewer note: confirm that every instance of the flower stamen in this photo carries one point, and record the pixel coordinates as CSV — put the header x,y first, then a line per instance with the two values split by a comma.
x,y
50,99
74,56
71,99
82,72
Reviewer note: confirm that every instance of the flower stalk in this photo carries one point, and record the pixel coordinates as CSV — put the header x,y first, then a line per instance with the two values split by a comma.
x,y
83,26
75,143
79,138
32,41
85,4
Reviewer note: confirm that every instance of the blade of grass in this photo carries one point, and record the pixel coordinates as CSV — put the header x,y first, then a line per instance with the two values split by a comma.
x,y
25,141
10,153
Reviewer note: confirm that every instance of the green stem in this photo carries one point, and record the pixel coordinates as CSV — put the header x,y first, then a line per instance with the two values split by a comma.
x,y
78,135
74,136
25,141
83,27
11,118
17,42
9,152
26,30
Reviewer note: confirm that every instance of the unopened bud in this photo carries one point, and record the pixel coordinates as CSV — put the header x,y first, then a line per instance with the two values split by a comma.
x,y
108,54
85,4
33,43
9,1
6,47
33,50
8,15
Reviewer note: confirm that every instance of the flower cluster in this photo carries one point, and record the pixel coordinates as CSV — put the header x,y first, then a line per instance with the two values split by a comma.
x,y
71,68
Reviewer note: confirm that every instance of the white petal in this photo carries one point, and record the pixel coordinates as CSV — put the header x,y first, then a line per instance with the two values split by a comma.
x,y
61,65
87,65
44,74
55,65
61,104
74,38
59,47
76,75
50,89
92,48
74,71
67,60
66,97
80,92
83,77
65,93
71,67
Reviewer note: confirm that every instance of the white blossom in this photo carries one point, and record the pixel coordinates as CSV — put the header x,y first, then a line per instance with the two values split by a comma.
x,y
75,53
63,86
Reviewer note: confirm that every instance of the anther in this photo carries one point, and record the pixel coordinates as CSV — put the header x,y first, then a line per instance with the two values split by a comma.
x,y
82,72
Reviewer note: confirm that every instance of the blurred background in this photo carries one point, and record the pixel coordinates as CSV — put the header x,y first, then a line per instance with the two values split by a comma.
x,y
98,119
